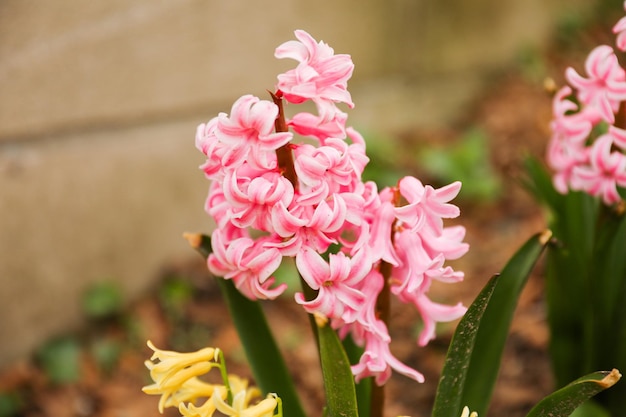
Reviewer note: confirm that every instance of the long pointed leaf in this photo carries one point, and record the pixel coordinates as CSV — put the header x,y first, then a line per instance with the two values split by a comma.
x,y
563,402
338,378
453,375
364,386
267,364
484,362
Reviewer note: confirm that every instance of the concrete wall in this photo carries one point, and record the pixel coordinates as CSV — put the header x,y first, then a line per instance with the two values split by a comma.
x,y
99,102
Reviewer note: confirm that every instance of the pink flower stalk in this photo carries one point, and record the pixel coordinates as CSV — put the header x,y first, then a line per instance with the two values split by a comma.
x,y
582,158
272,197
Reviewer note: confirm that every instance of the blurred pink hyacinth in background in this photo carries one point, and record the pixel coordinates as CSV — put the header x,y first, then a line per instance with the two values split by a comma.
x,y
588,143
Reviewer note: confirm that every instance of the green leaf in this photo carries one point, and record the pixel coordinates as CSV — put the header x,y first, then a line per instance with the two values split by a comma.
x,y
60,360
585,283
266,361
11,404
175,293
102,300
590,409
364,386
106,352
338,378
539,183
468,161
563,402
453,376
485,357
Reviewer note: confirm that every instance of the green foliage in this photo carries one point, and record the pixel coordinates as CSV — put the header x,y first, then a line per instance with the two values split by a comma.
x,y
363,387
11,404
531,64
590,409
266,361
570,27
467,161
102,300
383,167
563,402
288,273
338,379
106,352
585,284
474,355
473,359
60,360
175,293
454,374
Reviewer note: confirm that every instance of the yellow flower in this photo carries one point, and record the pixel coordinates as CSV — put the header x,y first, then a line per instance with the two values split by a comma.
x,y
205,410
466,413
175,375
241,407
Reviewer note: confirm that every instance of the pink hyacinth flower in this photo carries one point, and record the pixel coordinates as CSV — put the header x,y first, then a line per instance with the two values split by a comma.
x,y
433,313
426,206
605,172
248,263
311,125
448,243
568,122
563,157
377,361
336,282
251,126
252,198
619,137
605,87
220,157
321,76
370,332
380,240
312,227
322,170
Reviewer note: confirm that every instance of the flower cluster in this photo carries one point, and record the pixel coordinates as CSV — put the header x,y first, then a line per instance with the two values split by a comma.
x,y
588,144
176,380
274,197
